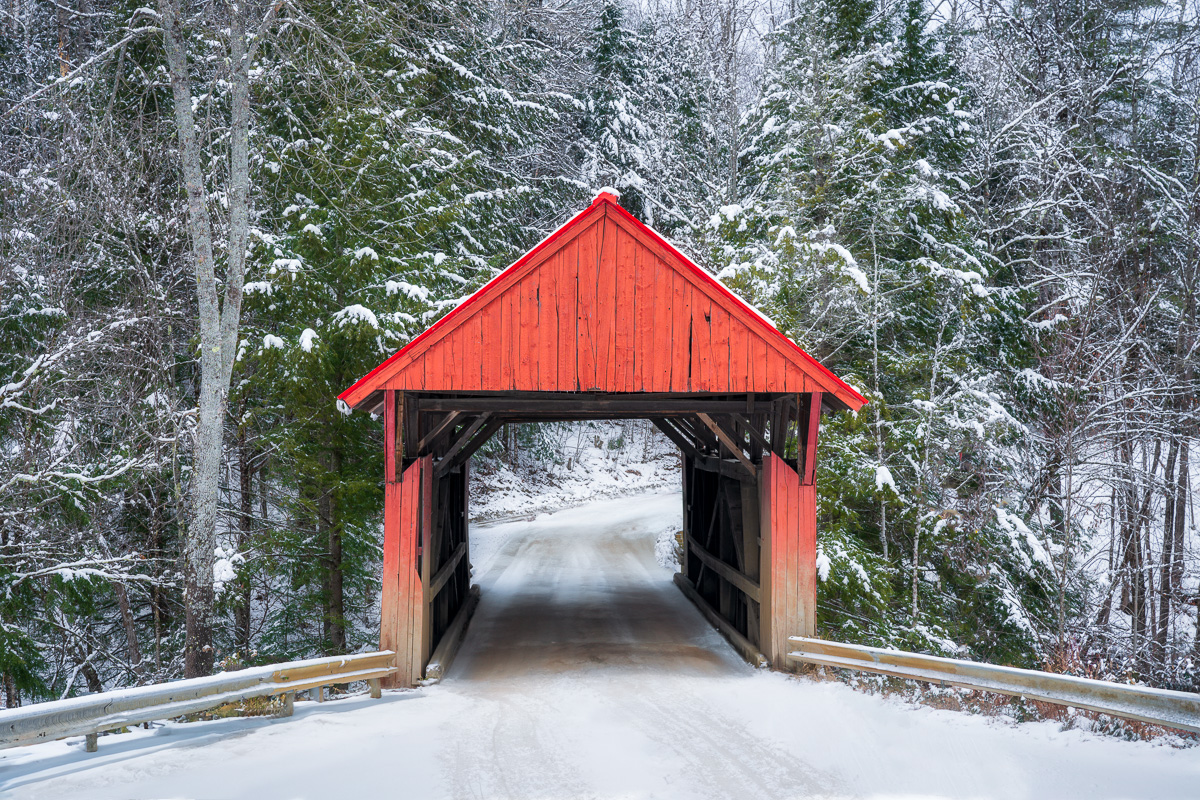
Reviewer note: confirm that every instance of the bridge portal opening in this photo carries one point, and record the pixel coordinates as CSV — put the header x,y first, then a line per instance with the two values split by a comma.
x,y
605,320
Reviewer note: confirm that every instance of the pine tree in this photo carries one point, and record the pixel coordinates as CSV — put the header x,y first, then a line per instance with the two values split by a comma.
x,y
392,194
851,237
617,141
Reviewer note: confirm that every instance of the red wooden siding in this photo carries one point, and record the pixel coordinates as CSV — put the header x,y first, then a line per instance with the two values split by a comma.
x,y
789,540
402,612
604,305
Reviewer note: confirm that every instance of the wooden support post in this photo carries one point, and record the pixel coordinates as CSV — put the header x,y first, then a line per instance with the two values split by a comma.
x,y
391,626
401,614
809,438
376,688
91,742
426,553
289,705
752,557
788,577
319,695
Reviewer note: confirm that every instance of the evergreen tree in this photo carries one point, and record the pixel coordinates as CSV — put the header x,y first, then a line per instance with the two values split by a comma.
x,y
617,141
851,237
392,194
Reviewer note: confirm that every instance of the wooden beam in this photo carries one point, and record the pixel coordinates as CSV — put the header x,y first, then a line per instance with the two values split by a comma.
x,y
754,432
724,466
439,429
410,430
468,450
675,436
730,574
520,402
389,437
725,439
692,427
464,438
447,648
731,634
445,571
810,448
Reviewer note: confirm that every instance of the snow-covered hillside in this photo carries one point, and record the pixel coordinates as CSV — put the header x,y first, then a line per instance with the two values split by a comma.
x,y
571,463
587,674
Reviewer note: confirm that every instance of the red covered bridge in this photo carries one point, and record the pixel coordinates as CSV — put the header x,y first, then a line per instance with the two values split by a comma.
x,y
606,320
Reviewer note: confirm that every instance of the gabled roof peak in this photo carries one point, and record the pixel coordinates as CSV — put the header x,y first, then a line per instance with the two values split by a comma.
x,y
604,304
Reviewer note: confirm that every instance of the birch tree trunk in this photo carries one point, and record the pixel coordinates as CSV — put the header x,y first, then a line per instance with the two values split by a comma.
x,y
218,322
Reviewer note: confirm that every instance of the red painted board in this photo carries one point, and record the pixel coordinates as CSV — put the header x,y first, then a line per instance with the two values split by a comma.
x,y
585,325
490,316
681,330
626,314
739,361
606,305
644,351
547,326
701,308
568,304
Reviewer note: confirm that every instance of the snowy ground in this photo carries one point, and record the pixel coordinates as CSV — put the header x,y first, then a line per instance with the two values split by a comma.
x,y
587,674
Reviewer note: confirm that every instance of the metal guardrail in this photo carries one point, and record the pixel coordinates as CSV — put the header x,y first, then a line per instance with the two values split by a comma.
x,y
1172,709
94,714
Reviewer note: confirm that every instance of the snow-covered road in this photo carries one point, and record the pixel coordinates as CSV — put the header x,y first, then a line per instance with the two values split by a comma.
x,y
587,674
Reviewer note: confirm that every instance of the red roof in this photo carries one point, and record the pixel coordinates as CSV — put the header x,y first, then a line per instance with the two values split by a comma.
x,y
603,304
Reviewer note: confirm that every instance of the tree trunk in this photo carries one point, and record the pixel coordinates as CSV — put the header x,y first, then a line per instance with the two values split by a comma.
x,y
1165,584
131,641
218,326
241,611
329,518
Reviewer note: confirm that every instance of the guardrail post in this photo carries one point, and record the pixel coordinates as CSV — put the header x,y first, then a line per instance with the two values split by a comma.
x,y
320,690
92,742
289,704
376,688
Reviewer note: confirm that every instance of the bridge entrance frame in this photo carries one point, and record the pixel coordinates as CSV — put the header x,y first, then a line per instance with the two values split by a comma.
x,y
605,320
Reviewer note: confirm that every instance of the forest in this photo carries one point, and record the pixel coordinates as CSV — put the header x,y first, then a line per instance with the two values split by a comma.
x,y
215,216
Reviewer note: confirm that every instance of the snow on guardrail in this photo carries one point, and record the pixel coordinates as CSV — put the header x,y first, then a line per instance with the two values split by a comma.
x,y
1172,709
93,714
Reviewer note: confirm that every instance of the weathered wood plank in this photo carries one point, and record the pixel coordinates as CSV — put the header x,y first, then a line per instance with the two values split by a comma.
x,y
568,317
426,553
731,574
508,344
625,311
493,344
438,581
681,330
585,355
438,431
547,324
810,438
739,362
606,305
464,438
